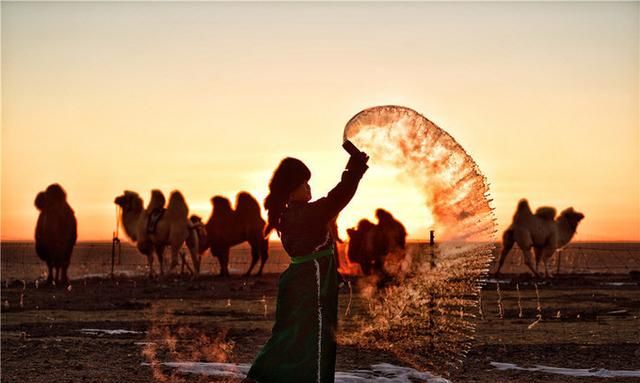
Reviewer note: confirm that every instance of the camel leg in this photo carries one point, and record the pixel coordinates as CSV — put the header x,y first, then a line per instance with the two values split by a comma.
x,y
49,274
195,258
184,264
175,255
65,276
223,258
507,244
150,263
254,257
193,244
546,257
528,260
146,248
183,258
160,255
366,265
264,253
538,252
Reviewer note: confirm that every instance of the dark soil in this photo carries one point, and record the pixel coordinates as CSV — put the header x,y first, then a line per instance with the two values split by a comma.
x,y
585,323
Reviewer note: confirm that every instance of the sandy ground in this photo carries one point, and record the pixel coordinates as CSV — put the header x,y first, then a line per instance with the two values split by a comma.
x,y
51,334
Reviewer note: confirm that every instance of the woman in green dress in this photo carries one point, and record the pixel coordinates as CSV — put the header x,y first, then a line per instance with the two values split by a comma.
x,y
302,347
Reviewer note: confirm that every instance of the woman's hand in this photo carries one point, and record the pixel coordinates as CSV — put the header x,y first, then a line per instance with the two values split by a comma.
x,y
358,163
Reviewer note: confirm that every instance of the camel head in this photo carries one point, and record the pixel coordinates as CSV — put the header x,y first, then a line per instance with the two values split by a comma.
x,y
54,194
195,219
129,201
572,218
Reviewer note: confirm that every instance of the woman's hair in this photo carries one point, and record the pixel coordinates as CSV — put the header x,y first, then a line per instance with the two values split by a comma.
x,y
290,174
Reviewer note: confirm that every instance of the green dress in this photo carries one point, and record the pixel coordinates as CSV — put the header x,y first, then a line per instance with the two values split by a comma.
x,y
302,347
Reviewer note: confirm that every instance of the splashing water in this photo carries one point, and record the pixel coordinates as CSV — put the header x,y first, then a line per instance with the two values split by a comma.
x,y
425,315
430,160
168,338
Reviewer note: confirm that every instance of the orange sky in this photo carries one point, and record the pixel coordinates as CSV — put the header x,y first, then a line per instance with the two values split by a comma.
x,y
208,97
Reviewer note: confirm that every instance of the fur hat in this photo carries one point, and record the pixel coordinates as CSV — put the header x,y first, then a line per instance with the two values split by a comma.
x,y
290,174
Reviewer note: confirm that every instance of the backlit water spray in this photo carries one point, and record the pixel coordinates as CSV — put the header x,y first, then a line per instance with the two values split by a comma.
x,y
424,315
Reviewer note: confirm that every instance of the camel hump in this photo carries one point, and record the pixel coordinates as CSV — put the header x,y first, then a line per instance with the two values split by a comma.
x,y
221,206
247,207
523,206
157,200
56,193
177,207
546,212
523,210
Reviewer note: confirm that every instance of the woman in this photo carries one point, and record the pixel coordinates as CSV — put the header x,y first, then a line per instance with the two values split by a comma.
x,y
302,347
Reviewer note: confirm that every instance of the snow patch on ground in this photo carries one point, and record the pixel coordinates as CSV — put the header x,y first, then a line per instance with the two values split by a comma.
x,y
578,372
96,331
379,373
618,284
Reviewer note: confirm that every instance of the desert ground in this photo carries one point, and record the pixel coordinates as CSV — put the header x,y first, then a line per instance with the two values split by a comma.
x,y
124,329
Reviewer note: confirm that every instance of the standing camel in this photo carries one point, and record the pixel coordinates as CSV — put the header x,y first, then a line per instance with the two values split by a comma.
x,y
155,228
540,231
227,227
370,244
56,232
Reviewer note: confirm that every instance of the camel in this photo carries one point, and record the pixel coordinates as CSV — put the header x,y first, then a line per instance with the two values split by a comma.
x,y
56,232
203,237
369,243
227,227
154,228
542,231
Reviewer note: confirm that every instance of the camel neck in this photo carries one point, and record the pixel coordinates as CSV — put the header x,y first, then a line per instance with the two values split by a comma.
x,y
130,222
565,231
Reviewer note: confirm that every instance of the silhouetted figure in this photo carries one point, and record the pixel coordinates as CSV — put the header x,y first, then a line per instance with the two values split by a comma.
x,y
201,229
540,231
56,232
227,227
369,244
302,347
172,229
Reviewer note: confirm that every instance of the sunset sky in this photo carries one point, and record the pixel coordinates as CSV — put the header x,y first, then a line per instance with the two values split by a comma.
x,y
208,97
